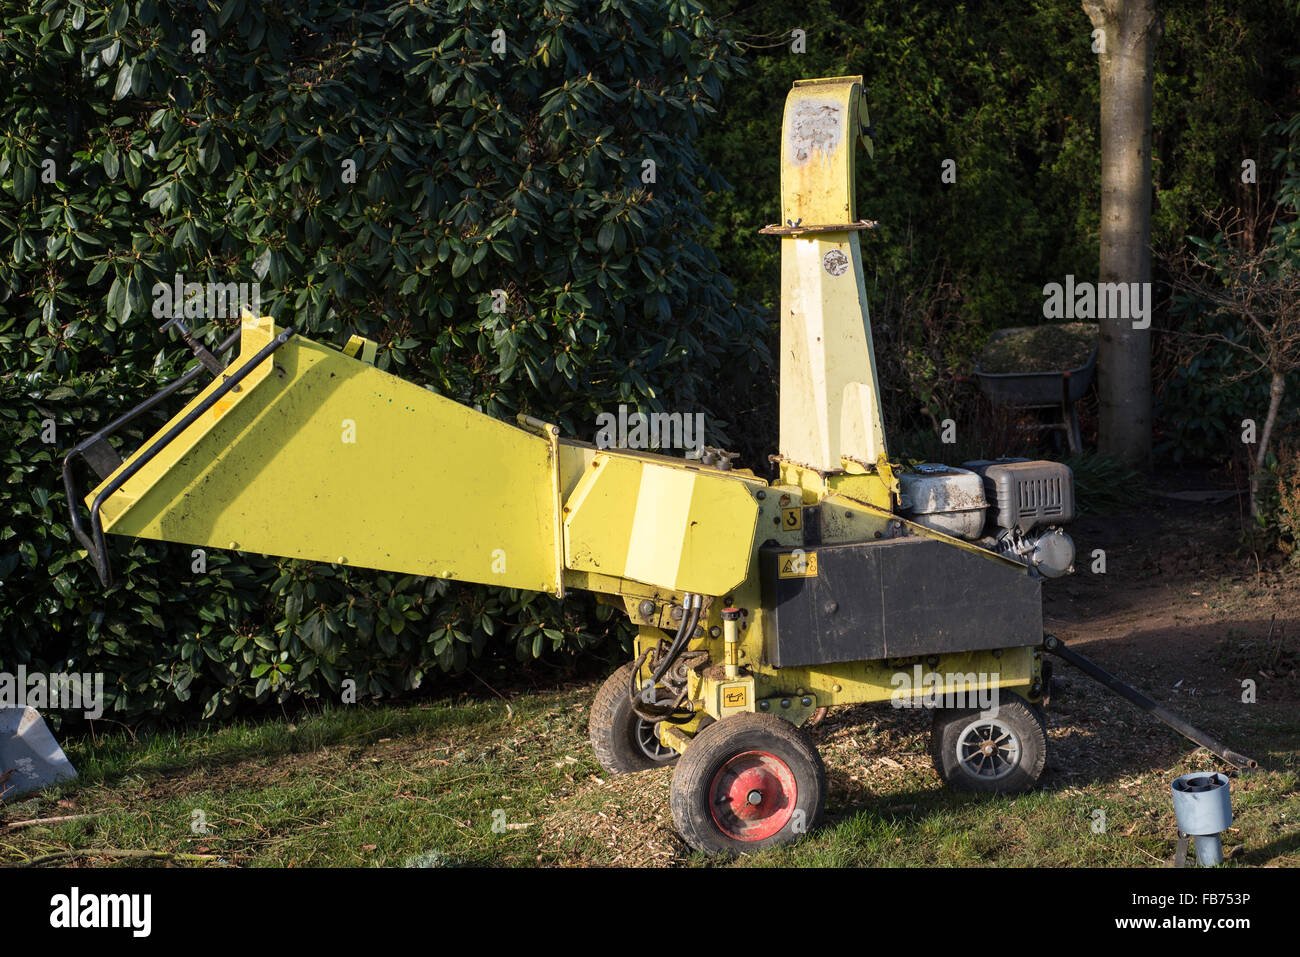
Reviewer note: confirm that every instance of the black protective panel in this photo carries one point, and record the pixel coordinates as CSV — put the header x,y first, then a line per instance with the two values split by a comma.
x,y
895,599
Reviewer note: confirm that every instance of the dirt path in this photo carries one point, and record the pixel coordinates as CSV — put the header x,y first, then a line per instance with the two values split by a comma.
x,y
1177,590
1184,613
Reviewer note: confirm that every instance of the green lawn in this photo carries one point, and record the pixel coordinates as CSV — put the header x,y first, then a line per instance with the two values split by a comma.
x,y
478,782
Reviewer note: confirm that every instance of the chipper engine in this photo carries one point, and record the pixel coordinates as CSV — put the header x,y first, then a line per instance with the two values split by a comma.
x,y
758,604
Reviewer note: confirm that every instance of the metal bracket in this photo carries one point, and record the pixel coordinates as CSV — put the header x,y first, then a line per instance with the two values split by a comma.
x,y
796,708
359,347
210,362
551,433
795,229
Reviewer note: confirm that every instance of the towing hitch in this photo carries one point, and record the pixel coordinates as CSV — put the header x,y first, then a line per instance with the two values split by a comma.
x,y
1057,647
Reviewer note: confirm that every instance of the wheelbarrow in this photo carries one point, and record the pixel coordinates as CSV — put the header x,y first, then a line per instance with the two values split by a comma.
x,y
1059,390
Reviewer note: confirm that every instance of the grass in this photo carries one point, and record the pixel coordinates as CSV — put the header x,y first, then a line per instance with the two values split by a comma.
x,y
481,782
344,788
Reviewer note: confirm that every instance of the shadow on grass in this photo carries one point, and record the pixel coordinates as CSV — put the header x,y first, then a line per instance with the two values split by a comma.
x,y
1268,853
175,754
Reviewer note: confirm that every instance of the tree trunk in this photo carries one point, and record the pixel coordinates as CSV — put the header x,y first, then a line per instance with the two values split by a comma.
x,y
1276,389
1130,29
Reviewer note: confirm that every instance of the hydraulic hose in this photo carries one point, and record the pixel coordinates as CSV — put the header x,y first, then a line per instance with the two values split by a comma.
x,y
690,618
692,605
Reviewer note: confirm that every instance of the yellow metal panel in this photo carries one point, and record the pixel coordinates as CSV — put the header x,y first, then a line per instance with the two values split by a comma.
x,y
673,526
830,404
551,433
860,682
327,458
254,334
822,124
830,401
575,459
871,488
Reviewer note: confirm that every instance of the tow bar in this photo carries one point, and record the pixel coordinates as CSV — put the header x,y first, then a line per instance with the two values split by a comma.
x,y
1057,647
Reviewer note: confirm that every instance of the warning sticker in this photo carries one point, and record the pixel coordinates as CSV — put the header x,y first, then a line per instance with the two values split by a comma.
x,y
792,519
797,564
735,697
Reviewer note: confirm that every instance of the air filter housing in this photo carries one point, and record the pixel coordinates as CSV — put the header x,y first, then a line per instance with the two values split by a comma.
x,y
1023,494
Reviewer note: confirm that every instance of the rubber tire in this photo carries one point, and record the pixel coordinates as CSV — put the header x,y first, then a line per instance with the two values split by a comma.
x,y
1024,719
612,728
712,747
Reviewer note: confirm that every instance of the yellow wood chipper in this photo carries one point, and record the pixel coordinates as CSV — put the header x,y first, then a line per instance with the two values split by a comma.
x,y
758,605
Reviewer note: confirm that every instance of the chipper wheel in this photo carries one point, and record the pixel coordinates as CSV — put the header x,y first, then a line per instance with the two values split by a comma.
x,y
622,739
1002,754
748,782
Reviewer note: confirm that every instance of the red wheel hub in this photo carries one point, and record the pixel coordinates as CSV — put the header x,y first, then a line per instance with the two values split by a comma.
x,y
753,796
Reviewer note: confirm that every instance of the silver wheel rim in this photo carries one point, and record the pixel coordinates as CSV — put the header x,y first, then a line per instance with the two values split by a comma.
x,y
988,749
647,739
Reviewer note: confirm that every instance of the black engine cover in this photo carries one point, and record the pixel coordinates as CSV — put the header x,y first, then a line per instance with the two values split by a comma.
x,y
894,599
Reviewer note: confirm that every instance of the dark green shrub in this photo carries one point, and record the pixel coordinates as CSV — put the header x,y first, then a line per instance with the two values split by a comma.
x,y
231,160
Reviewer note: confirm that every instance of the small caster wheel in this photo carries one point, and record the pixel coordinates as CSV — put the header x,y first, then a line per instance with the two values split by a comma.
x,y
1001,754
748,782
623,740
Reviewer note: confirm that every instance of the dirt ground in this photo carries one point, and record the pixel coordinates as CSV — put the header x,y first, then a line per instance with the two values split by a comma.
x,y
1182,606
